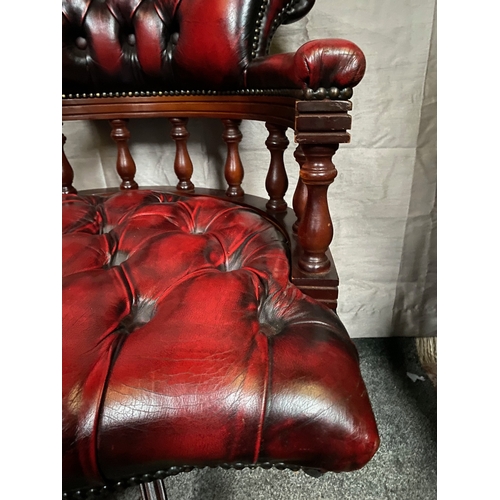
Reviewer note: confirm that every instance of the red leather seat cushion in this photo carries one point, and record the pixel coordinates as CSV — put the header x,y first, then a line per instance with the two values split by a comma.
x,y
185,344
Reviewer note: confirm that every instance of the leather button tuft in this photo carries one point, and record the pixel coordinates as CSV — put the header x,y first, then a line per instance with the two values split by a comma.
x,y
131,39
174,38
142,312
81,43
268,330
118,258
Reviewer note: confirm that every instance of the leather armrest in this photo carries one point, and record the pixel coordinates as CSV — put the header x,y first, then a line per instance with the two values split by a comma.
x,y
318,63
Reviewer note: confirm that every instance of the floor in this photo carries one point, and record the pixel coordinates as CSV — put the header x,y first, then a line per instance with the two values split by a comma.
x,y
405,467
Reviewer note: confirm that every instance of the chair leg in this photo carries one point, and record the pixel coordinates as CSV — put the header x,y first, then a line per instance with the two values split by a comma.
x,y
154,491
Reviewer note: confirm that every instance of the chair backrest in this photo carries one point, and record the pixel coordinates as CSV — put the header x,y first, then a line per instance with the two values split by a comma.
x,y
206,44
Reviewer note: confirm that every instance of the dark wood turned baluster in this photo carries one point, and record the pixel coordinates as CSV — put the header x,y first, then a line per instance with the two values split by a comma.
x,y
300,194
183,165
67,172
315,230
155,490
125,165
276,180
233,169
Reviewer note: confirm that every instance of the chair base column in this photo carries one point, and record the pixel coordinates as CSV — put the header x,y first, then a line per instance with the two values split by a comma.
x,y
154,491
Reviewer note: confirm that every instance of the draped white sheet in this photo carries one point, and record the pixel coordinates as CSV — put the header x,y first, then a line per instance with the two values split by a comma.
x,y
383,201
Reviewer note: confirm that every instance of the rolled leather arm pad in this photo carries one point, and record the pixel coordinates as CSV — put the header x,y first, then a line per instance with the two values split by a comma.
x,y
318,63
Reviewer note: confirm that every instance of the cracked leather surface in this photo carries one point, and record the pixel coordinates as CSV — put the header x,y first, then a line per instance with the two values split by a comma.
x,y
185,343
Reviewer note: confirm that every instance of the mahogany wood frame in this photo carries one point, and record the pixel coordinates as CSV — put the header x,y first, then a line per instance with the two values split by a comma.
x,y
319,125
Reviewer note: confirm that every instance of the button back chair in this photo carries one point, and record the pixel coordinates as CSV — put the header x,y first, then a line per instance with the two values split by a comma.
x,y
199,326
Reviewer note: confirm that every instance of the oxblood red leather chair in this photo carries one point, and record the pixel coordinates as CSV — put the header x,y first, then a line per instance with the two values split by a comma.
x,y
199,325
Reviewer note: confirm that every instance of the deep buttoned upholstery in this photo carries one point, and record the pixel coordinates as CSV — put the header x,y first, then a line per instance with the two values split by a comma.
x,y
145,45
185,345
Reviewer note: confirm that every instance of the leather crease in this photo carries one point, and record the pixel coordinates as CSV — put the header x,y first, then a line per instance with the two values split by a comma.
x,y
265,399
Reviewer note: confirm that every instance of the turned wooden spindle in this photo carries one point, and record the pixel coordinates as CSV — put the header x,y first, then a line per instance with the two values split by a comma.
x,y
125,165
233,169
315,231
67,172
276,180
183,166
300,194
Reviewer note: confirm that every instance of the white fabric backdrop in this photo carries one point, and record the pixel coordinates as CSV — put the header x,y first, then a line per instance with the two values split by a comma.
x,y
383,202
